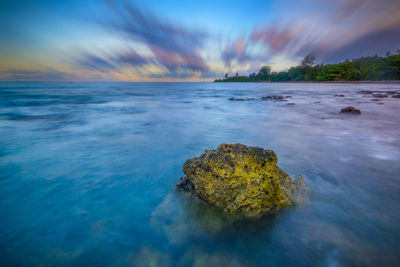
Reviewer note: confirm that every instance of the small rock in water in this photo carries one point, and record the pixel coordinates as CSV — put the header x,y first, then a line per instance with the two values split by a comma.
x,y
241,99
351,110
275,98
291,104
241,180
340,95
379,95
366,92
396,96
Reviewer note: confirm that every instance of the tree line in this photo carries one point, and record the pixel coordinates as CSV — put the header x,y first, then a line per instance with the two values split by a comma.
x,y
373,68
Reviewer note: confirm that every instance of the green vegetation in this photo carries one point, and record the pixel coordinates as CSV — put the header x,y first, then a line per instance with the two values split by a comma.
x,y
361,69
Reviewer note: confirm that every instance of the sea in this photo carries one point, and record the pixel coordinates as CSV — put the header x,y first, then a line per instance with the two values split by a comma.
x,y
88,173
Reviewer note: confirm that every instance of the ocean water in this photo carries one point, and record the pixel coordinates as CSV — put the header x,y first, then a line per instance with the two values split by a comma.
x,y
88,172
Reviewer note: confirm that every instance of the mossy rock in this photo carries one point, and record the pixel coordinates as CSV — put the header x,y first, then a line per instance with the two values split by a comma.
x,y
241,180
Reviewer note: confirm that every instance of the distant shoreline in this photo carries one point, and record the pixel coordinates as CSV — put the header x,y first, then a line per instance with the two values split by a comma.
x,y
363,69
372,82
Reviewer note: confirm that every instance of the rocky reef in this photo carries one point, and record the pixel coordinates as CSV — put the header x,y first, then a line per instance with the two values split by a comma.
x,y
351,110
242,99
241,180
275,98
381,94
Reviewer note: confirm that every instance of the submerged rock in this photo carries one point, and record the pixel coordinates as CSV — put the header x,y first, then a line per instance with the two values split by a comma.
x,y
241,180
242,99
351,110
379,95
368,92
275,98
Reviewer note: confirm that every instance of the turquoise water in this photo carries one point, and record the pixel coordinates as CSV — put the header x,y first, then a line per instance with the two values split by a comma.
x,y
88,171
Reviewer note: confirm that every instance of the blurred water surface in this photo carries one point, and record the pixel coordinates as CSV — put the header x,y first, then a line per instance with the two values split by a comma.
x,y
88,171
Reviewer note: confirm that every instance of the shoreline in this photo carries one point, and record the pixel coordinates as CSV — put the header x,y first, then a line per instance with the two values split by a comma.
x,y
364,82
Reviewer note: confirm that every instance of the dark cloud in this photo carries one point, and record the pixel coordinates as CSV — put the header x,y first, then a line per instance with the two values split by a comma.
x,y
145,26
174,47
236,51
107,62
376,43
276,37
357,28
94,62
184,60
131,58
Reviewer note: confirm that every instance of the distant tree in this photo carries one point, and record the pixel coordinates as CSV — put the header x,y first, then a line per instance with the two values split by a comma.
x,y
307,67
237,74
387,53
363,68
264,73
296,73
226,75
308,61
265,70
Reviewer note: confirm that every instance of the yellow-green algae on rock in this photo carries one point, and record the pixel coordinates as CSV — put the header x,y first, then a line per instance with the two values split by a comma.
x,y
241,179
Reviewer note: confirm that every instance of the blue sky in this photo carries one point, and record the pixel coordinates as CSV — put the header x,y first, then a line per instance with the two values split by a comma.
x,y
185,40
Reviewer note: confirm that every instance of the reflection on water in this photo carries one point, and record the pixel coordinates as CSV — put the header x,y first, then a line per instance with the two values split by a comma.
x,y
88,172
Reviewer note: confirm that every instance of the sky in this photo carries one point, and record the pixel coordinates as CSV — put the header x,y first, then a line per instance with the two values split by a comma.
x,y
122,40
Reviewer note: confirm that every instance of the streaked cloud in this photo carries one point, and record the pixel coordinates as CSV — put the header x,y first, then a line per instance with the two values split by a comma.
x,y
128,41
173,46
94,62
357,28
236,51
